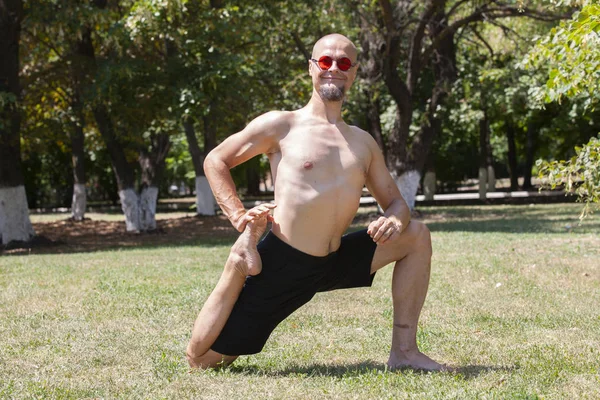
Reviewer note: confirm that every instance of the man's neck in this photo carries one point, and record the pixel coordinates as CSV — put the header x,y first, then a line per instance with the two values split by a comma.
x,y
331,111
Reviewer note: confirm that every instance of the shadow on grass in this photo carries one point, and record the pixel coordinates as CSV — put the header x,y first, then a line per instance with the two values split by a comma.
x,y
516,225
313,370
473,371
510,219
361,368
95,236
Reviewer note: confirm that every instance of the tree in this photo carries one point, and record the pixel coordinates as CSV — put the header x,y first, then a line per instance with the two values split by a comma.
x,y
14,213
54,82
414,49
572,56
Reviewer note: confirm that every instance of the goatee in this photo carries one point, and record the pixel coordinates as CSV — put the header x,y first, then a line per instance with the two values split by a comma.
x,y
331,93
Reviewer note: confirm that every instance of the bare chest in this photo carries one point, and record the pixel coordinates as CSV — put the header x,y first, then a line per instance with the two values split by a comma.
x,y
331,159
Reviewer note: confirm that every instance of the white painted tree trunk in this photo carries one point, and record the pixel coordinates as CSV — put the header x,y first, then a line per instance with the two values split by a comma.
x,y
408,183
429,182
131,209
14,215
148,199
491,179
482,183
79,202
205,201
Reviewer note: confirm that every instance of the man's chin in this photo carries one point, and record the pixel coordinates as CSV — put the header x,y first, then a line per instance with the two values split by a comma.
x,y
331,93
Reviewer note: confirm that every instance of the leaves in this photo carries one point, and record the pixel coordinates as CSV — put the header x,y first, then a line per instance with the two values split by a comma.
x,y
579,175
571,54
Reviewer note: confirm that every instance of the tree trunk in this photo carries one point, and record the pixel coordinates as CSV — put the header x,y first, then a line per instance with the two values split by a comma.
x,y
489,156
512,156
122,169
148,200
532,133
484,156
205,201
82,52
482,178
78,204
152,164
253,176
429,180
14,212
443,62
14,215
374,119
429,185
408,184
210,133
491,179
131,209
370,72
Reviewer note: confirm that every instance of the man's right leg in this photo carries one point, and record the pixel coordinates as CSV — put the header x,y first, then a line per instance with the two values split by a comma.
x,y
243,260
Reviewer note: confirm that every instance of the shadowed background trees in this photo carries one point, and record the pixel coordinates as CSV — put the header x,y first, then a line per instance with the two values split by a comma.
x,y
118,101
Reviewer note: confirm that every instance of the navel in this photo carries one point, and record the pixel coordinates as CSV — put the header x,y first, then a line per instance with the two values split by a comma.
x,y
308,165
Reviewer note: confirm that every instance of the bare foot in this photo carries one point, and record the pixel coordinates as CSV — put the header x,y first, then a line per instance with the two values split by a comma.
x,y
414,360
244,255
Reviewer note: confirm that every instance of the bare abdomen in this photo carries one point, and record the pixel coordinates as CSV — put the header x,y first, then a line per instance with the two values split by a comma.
x,y
312,218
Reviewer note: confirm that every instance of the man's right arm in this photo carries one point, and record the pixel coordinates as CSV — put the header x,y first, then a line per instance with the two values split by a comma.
x,y
260,136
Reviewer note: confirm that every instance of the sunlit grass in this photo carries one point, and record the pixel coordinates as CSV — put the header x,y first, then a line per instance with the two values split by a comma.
x,y
513,303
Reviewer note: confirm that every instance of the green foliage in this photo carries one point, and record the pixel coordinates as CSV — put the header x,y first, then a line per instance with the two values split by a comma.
x,y
571,55
221,63
579,175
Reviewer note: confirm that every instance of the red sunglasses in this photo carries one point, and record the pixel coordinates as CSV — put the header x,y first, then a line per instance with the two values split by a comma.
x,y
325,62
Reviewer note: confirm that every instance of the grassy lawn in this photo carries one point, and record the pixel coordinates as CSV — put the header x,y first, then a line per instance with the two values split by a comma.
x,y
514,303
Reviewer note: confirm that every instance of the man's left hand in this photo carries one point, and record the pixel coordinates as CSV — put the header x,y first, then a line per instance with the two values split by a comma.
x,y
384,229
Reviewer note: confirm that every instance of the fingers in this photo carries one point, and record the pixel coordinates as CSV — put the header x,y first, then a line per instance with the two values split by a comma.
x,y
261,209
256,213
382,230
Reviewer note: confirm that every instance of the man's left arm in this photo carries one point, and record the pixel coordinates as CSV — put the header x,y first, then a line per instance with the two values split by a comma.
x,y
383,188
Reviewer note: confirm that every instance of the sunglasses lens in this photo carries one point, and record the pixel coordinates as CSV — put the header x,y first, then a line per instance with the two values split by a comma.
x,y
344,64
325,62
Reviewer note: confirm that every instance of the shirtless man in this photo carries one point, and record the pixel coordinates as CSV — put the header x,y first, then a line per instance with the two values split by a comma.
x,y
319,165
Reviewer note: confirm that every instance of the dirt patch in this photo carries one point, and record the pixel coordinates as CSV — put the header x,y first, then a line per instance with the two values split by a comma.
x,y
68,236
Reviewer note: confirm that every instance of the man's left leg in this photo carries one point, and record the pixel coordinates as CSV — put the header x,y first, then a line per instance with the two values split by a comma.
x,y
411,252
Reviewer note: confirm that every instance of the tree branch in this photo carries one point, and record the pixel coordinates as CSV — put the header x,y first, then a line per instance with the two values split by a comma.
x,y
47,44
388,16
416,45
454,8
508,32
485,13
301,46
478,35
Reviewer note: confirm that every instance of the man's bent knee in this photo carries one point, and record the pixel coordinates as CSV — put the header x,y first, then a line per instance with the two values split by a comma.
x,y
210,359
419,233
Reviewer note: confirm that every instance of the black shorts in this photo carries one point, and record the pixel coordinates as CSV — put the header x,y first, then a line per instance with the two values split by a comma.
x,y
288,280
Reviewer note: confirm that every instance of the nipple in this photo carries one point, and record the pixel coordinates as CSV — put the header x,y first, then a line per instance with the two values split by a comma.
x,y
308,165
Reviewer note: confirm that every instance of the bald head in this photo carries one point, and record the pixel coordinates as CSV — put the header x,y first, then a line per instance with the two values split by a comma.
x,y
335,40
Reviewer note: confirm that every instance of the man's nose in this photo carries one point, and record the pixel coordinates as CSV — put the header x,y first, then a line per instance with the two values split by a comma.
x,y
334,66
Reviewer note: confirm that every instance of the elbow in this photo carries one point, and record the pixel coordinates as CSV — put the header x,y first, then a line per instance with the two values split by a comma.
x,y
212,160
208,161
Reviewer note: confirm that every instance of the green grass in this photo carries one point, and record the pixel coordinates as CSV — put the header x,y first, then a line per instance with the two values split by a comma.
x,y
513,303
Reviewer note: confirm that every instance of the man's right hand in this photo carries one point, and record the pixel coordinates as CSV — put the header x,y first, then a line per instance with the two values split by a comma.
x,y
253,214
